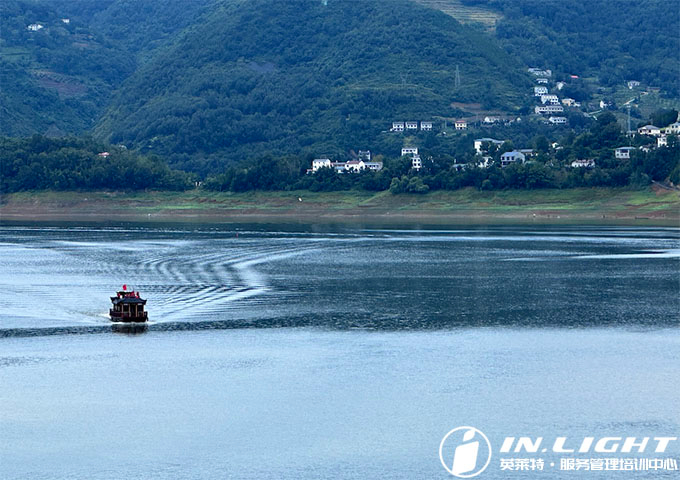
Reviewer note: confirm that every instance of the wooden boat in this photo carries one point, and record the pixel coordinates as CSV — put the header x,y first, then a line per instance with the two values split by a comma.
x,y
128,307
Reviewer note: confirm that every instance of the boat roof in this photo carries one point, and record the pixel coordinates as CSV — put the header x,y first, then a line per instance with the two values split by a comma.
x,y
117,300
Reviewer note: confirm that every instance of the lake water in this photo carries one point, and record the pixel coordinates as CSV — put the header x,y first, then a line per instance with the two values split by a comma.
x,y
332,352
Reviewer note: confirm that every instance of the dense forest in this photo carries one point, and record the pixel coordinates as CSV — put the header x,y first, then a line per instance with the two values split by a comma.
x,y
611,40
40,163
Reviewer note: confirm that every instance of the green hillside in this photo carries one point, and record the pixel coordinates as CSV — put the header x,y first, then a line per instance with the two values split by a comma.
x,y
56,79
137,26
610,40
304,76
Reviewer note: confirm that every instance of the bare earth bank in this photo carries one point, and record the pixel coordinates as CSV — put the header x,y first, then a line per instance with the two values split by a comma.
x,y
650,206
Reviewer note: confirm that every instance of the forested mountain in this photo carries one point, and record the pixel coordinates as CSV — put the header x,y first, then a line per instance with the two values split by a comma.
x,y
207,83
55,78
304,75
137,26
610,40
58,79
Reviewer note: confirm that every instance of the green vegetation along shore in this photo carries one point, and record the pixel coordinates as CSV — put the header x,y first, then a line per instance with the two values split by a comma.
x,y
648,206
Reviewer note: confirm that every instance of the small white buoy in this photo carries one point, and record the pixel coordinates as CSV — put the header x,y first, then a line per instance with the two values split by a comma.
x,y
299,199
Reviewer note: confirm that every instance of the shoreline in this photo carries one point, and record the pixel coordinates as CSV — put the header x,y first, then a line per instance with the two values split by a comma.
x,y
648,207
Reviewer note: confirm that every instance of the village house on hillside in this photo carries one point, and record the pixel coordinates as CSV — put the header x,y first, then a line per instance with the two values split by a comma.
x,y
425,126
479,144
416,162
540,72
584,163
623,152
673,128
34,27
364,155
547,109
318,163
342,167
551,99
538,91
460,125
649,130
511,157
557,120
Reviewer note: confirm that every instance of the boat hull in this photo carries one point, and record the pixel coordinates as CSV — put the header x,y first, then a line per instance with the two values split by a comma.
x,y
120,317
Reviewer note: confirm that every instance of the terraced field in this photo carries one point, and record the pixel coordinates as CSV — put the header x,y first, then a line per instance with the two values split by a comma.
x,y
464,13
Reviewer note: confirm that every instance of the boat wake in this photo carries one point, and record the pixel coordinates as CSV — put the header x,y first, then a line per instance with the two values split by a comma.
x,y
183,280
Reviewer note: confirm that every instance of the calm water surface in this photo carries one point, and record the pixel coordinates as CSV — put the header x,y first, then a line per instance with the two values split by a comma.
x,y
330,352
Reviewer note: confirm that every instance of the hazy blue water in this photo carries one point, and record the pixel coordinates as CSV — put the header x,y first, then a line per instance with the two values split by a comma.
x,y
318,352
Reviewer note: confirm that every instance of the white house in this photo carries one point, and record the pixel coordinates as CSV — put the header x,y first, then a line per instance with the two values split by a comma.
x,y
585,163
354,166
405,151
542,109
511,157
364,155
490,120
542,81
426,126
649,130
538,91
374,166
604,104
66,20
318,163
411,125
551,99
673,128
623,152
570,102
416,163
632,84
485,162
559,85
558,120
662,141
34,27
397,127
461,125
540,72
479,144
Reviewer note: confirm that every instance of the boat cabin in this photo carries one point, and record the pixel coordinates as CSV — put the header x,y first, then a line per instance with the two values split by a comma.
x,y
128,307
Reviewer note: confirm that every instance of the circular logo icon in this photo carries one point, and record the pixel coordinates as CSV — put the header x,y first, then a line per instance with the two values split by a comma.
x,y
465,452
